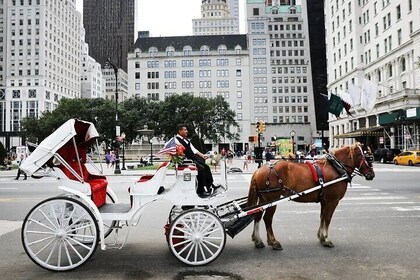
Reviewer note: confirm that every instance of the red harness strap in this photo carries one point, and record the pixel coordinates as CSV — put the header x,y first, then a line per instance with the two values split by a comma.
x,y
316,170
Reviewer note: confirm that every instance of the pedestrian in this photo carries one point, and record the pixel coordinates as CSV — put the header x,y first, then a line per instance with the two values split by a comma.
x,y
107,158
245,160
112,159
22,158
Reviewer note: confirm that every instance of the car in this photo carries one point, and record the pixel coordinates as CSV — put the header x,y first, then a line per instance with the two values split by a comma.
x,y
385,155
408,158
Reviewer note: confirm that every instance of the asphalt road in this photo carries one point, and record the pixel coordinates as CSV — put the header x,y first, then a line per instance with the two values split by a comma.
x,y
375,231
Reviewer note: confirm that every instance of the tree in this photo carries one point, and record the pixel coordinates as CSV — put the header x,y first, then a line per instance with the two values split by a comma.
x,y
99,111
209,118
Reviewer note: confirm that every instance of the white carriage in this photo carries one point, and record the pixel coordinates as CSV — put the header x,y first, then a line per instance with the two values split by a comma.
x,y
61,233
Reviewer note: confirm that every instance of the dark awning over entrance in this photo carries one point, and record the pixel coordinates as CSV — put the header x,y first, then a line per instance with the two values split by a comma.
x,y
365,131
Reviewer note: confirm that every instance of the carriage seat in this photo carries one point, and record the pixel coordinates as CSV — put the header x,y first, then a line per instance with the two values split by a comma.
x,y
147,177
97,183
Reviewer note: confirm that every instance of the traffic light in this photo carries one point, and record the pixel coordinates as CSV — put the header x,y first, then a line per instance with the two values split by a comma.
x,y
262,126
257,127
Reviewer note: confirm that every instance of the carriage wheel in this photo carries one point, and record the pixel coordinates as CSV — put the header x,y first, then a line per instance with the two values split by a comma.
x,y
197,237
60,234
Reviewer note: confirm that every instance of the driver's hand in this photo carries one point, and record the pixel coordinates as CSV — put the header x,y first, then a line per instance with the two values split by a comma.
x,y
205,156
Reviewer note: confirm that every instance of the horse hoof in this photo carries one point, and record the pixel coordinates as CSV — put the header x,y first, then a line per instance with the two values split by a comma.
x,y
277,247
327,244
259,245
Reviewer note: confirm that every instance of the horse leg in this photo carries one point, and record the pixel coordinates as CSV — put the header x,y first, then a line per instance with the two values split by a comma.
x,y
268,220
327,211
258,243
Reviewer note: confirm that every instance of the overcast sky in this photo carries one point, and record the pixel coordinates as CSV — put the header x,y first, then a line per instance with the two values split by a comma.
x,y
169,17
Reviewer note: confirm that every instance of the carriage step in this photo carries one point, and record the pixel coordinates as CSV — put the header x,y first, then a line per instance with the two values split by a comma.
x,y
115,208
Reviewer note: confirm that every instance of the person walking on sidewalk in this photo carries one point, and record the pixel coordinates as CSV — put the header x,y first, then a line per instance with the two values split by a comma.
x,y
245,160
22,158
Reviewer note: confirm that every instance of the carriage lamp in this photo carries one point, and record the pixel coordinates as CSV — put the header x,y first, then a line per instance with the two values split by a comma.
x,y
187,174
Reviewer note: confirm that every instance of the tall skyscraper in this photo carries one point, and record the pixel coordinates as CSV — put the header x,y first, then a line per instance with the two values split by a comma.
x,y
109,26
281,87
217,18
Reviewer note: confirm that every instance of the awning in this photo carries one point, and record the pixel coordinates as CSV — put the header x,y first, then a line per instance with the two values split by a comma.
x,y
365,131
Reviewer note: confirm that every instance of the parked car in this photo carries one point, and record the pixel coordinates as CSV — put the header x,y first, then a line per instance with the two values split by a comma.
x,y
385,155
408,158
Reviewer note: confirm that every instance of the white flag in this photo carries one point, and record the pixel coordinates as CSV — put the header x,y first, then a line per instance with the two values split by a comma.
x,y
369,93
355,94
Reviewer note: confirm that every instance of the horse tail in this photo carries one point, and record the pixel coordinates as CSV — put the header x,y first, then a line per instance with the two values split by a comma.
x,y
252,193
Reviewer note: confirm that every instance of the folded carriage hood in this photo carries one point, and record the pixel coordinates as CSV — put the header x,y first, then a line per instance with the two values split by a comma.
x,y
55,141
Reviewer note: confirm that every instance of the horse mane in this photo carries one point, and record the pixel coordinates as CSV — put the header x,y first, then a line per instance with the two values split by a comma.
x,y
351,150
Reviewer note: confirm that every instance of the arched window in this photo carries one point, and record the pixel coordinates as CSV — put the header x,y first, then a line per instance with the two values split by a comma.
x,y
222,49
204,50
187,51
170,51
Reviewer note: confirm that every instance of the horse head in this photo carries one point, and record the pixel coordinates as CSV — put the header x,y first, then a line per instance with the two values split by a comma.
x,y
356,158
363,159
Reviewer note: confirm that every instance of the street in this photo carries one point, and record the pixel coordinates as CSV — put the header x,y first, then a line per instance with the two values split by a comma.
x,y
375,231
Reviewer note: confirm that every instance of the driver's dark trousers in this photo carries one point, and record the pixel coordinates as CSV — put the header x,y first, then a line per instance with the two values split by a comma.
x,y
204,178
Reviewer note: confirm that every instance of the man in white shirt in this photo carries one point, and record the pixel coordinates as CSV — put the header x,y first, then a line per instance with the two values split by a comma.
x,y
204,178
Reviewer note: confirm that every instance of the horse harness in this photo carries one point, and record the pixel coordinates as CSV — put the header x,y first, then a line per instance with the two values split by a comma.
x,y
317,176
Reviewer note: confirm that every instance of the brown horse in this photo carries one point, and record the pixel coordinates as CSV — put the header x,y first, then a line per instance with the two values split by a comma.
x,y
286,178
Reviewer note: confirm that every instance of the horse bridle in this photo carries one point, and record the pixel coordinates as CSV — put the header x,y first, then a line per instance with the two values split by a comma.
x,y
365,162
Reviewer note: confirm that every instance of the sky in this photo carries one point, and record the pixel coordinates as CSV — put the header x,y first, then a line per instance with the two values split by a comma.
x,y
169,17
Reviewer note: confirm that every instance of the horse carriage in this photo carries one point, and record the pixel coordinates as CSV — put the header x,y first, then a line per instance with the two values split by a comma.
x,y
62,232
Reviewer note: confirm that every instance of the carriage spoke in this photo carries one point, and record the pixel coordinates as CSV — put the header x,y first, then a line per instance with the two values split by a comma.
x,y
40,240
52,250
40,232
67,253
42,249
74,250
43,225
48,219
186,247
59,254
182,243
207,248
190,251
74,227
79,243
210,243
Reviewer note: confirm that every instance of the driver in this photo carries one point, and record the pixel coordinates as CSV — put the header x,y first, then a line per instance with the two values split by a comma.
x,y
204,178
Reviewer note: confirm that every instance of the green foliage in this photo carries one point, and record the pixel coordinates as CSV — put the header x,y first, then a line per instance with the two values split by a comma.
x,y
210,119
195,141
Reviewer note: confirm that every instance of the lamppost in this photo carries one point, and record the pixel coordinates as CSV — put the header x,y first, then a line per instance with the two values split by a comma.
x,y
123,148
293,134
151,151
117,125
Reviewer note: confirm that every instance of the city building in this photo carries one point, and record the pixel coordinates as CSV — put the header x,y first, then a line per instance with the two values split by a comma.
x,y
40,60
206,66
218,17
92,83
377,41
110,87
109,28
281,89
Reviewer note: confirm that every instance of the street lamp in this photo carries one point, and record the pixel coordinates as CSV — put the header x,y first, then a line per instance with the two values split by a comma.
x,y
117,125
293,134
151,151
123,148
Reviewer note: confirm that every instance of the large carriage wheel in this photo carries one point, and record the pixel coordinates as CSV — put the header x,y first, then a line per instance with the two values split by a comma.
x,y
60,234
197,237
